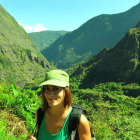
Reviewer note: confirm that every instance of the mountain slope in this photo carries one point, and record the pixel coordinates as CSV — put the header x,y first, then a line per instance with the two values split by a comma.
x,y
20,60
45,38
97,33
119,64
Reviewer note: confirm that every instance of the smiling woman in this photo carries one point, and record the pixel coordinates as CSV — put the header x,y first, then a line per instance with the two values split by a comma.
x,y
54,95
57,110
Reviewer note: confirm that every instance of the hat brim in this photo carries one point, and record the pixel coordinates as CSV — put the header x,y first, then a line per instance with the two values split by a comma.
x,y
54,83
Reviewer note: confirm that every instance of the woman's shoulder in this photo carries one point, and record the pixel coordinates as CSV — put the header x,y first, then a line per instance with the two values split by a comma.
x,y
83,120
84,128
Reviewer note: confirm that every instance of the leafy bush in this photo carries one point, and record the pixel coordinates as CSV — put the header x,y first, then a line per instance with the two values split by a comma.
x,y
23,104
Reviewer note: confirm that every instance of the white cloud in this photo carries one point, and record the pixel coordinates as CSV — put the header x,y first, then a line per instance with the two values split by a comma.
x,y
28,28
39,27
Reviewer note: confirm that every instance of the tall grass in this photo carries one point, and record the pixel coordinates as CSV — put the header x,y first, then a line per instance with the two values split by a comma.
x,y
6,134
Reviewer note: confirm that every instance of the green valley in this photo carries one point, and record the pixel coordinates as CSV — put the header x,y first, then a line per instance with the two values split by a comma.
x,y
45,38
104,81
118,64
90,38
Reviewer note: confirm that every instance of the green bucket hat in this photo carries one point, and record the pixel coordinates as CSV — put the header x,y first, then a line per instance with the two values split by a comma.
x,y
56,78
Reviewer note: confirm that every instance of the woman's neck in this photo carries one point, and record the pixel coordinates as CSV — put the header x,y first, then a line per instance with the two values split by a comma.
x,y
57,110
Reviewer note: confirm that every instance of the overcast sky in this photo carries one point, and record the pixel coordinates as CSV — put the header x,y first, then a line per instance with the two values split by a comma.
x,y
39,15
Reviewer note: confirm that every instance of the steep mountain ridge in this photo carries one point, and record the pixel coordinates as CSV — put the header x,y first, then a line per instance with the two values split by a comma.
x,y
119,64
44,39
90,38
20,60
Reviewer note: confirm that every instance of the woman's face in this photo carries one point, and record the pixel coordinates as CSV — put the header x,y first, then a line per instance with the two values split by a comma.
x,y
54,95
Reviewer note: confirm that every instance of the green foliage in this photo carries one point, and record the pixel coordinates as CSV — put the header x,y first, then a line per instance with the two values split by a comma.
x,y
114,108
23,104
20,59
113,113
5,63
28,52
45,38
6,134
90,38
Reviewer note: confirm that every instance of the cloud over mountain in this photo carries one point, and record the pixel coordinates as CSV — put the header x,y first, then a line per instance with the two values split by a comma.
x,y
39,27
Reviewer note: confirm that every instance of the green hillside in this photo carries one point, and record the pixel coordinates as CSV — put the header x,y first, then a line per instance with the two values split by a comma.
x,y
119,64
20,60
89,39
112,103
114,110
44,39
107,84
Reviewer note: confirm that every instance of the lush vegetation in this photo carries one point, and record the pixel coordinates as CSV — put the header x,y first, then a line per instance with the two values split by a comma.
x,y
20,60
45,38
23,105
113,107
119,64
114,110
90,38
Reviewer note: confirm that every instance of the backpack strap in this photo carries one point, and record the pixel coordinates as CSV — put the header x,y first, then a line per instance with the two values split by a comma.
x,y
74,122
40,115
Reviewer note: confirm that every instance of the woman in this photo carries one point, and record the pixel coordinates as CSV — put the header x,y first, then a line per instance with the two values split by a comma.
x,y
57,107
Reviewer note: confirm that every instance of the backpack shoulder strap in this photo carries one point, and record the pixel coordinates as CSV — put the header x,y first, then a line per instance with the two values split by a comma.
x,y
74,122
40,115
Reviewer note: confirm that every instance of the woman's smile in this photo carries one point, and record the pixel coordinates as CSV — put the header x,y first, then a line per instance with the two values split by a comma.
x,y
51,99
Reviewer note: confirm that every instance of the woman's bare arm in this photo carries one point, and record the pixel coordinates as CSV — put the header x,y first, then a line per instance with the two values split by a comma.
x,y
84,129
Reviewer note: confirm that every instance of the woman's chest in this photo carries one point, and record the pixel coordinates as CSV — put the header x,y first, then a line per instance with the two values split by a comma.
x,y
54,125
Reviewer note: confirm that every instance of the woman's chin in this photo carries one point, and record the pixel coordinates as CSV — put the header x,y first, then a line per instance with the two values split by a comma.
x,y
54,104
51,104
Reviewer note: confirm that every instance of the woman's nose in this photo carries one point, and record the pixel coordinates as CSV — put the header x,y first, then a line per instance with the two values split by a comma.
x,y
52,93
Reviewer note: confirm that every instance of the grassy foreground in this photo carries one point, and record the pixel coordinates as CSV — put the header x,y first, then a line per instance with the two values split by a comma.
x,y
114,110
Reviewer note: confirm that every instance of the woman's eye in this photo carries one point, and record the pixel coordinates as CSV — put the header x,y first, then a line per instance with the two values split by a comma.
x,y
46,88
56,88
